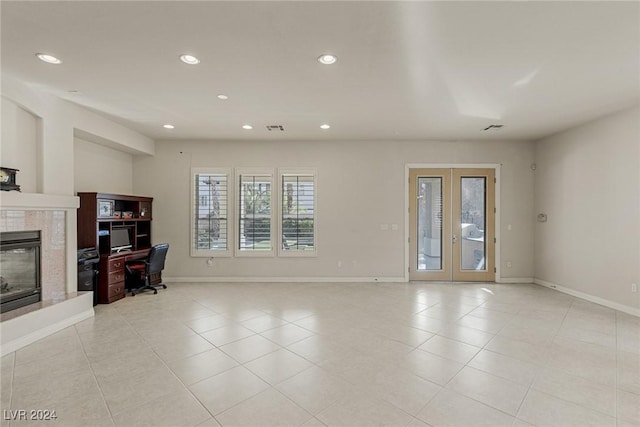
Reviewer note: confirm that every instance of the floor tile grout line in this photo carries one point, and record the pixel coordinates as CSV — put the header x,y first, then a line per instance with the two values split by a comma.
x,y
501,377
574,300
95,377
251,360
545,359
475,400
271,387
572,403
187,388
467,365
291,343
240,324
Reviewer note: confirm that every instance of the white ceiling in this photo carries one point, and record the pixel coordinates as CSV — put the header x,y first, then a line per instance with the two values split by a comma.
x,y
405,70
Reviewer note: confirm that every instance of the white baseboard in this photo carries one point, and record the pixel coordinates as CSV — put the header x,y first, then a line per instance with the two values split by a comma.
x,y
31,327
515,280
248,279
607,303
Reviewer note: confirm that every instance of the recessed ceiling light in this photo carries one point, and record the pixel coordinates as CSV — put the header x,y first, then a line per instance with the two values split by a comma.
x,y
247,127
222,96
167,126
327,59
189,59
324,126
50,59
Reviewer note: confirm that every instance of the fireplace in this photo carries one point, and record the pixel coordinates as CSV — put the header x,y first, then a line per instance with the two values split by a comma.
x,y
19,269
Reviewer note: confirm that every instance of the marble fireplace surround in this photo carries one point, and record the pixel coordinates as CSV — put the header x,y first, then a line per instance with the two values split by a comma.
x,y
61,305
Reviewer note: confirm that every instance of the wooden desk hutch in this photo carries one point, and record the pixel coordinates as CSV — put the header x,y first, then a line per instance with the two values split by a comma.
x,y
99,214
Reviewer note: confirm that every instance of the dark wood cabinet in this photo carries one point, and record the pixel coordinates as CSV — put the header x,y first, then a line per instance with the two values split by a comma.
x,y
99,215
111,286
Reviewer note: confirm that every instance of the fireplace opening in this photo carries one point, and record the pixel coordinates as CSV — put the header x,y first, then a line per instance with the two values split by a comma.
x,y
19,269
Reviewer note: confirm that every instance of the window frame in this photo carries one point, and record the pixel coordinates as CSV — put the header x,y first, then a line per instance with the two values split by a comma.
x,y
282,173
270,172
209,253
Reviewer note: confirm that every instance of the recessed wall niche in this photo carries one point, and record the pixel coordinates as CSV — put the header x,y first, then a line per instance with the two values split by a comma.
x,y
20,147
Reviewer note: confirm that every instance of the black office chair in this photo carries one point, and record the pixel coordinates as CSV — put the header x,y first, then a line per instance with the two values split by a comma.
x,y
139,272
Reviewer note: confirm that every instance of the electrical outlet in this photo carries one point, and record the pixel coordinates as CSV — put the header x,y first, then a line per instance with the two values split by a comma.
x,y
509,264
634,287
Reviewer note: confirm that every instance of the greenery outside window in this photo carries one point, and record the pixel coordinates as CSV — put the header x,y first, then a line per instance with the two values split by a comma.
x,y
255,222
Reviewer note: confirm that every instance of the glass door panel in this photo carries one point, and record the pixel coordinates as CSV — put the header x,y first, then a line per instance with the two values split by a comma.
x,y
473,236
429,223
472,222
429,244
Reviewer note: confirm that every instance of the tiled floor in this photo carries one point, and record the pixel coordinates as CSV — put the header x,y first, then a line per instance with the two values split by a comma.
x,y
335,354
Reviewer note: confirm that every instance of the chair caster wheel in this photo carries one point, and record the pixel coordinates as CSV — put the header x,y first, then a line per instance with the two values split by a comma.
x,y
155,292
164,286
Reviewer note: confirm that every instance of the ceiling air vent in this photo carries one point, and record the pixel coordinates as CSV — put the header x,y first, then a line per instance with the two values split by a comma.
x,y
271,128
493,127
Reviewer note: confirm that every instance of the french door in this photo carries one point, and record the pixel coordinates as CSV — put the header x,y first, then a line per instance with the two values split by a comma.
x,y
452,224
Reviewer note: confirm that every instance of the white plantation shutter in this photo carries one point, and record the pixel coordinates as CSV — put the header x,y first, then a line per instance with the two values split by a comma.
x,y
255,222
298,213
210,207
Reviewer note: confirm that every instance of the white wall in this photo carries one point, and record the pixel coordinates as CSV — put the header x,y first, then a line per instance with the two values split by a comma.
x,y
588,183
360,186
19,144
102,169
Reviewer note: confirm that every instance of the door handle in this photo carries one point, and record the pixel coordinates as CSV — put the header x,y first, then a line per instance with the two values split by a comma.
x,y
454,239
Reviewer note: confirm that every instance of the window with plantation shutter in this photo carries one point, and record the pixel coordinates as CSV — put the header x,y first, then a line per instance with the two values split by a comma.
x,y
251,212
298,213
254,219
210,213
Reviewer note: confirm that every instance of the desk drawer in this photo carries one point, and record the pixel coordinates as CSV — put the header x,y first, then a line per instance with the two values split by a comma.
x,y
115,277
116,291
116,264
